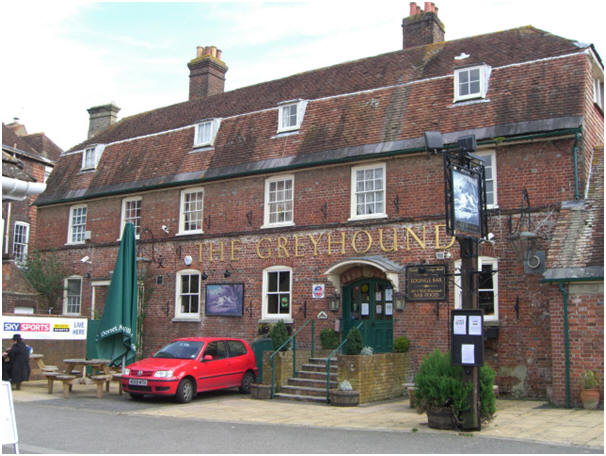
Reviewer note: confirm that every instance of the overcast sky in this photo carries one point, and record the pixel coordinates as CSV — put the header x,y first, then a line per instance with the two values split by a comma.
x,y
62,57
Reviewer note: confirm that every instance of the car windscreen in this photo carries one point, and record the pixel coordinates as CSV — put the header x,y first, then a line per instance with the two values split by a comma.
x,y
180,349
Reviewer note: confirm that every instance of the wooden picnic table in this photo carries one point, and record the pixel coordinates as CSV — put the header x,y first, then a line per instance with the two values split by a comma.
x,y
78,366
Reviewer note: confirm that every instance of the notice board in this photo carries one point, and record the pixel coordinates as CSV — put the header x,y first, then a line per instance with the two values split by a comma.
x,y
467,337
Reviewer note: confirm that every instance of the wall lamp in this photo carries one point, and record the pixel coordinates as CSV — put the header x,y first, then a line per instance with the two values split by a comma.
x,y
227,274
400,302
333,302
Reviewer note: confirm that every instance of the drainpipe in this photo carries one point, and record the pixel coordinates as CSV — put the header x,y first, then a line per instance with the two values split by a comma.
x,y
575,150
566,349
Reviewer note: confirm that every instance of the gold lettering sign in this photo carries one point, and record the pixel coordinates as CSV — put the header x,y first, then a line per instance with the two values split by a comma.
x,y
389,240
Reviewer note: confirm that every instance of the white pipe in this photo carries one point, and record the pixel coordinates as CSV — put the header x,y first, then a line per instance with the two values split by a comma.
x,y
14,189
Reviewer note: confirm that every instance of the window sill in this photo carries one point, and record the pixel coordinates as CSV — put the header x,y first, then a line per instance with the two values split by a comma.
x,y
277,225
75,243
283,133
286,320
189,233
357,218
469,101
186,320
202,148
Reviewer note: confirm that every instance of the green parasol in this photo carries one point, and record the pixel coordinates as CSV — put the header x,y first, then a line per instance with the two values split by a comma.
x,y
118,329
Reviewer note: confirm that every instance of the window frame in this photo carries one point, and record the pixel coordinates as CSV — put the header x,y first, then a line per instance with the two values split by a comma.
x,y
22,256
353,192
493,168
183,194
300,106
484,72
189,316
70,227
598,93
123,220
265,315
214,125
97,151
266,203
66,304
482,260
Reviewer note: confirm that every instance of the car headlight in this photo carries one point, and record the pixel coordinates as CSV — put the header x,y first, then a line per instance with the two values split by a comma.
x,y
163,374
127,371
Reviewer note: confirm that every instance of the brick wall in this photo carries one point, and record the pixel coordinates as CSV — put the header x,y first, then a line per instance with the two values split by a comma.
x,y
376,377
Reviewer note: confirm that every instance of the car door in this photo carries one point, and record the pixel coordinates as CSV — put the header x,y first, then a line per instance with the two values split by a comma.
x,y
239,361
214,371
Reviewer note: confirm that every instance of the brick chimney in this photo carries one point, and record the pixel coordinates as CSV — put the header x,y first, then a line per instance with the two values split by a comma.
x,y
206,73
422,27
101,117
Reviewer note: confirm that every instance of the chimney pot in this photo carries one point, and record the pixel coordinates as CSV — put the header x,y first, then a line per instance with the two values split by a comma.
x,y
422,29
206,73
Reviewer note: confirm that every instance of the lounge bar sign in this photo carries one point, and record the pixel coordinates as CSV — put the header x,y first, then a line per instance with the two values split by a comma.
x,y
426,282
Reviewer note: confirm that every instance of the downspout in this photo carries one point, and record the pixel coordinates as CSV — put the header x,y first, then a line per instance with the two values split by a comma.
x,y
566,348
575,150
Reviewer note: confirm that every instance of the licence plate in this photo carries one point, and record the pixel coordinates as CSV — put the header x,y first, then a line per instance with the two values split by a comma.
x,y
137,381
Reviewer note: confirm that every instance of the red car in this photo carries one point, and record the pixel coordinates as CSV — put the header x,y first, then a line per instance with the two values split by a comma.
x,y
189,365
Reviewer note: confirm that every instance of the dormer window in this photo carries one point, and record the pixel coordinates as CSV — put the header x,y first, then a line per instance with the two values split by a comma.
x,y
91,156
290,115
471,82
598,93
206,132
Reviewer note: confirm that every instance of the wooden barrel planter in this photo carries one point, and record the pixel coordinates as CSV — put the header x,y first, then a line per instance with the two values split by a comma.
x,y
260,391
440,418
344,398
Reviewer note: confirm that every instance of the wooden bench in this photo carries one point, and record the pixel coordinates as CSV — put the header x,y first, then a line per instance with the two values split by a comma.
x,y
50,378
100,380
67,381
116,376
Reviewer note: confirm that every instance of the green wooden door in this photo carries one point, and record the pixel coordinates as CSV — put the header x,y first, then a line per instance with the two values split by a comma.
x,y
370,301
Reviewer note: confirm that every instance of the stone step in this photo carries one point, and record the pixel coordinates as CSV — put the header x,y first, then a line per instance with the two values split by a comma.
x,y
314,383
303,391
319,367
300,397
322,360
316,375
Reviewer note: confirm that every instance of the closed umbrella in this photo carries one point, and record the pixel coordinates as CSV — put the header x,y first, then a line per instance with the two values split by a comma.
x,y
118,329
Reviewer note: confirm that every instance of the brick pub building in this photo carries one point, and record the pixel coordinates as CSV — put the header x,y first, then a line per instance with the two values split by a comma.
x,y
315,192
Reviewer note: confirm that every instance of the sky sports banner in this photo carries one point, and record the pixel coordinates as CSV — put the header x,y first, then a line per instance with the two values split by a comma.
x,y
32,328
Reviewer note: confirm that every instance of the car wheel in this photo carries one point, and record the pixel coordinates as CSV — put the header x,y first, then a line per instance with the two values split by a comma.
x,y
185,391
136,396
246,382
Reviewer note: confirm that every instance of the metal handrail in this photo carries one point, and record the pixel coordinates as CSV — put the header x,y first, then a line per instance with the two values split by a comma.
x,y
328,363
294,361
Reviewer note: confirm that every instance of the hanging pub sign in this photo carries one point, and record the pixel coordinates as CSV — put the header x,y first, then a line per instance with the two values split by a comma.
x,y
426,282
465,195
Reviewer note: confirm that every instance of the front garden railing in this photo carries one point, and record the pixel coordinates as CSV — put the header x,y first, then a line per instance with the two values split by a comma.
x,y
328,362
292,338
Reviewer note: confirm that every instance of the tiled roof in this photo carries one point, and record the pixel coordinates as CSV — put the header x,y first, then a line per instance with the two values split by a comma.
x,y
357,109
577,247
44,145
21,145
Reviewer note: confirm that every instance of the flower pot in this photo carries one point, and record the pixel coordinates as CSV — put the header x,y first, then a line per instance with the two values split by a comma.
x,y
440,418
344,398
260,391
590,398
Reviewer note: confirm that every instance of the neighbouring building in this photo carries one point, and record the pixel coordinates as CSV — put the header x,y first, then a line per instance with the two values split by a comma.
x,y
307,197
27,160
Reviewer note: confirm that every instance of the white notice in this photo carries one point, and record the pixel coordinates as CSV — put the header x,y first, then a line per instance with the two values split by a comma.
x,y
365,308
459,326
468,354
475,325
388,308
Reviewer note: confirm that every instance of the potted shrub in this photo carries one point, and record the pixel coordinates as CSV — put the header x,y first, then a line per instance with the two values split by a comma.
x,y
401,344
441,392
590,394
279,335
353,346
344,396
329,339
